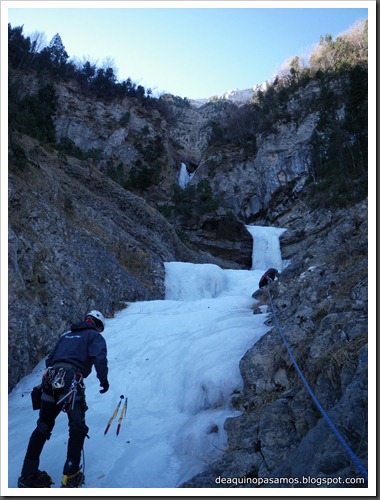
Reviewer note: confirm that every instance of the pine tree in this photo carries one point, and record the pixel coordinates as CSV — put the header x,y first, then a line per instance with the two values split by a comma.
x,y
58,54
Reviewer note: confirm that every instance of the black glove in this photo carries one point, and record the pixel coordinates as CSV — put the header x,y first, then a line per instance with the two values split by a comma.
x,y
105,385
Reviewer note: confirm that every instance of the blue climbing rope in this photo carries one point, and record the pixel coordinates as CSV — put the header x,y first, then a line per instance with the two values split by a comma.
x,y
320,407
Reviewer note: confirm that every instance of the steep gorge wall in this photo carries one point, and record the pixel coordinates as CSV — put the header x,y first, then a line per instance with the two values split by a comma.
x,y
77,241
131,139
245,181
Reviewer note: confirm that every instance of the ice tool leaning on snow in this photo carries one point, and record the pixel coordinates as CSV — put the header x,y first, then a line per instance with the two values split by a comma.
x,y
62,389
122,415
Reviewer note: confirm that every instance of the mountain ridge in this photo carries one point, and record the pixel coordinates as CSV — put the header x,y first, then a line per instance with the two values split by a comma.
x,y
236,96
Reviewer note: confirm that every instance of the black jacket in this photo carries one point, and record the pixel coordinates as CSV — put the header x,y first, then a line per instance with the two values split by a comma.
x,y
83,347
271,274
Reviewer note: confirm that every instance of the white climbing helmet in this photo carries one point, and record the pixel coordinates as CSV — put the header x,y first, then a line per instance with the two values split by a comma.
x,y
97,318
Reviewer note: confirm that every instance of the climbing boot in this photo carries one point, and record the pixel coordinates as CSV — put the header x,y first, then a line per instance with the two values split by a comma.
x,y
74,481
39,480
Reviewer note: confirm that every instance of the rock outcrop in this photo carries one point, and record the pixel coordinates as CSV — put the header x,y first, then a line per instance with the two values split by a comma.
x,y
225,237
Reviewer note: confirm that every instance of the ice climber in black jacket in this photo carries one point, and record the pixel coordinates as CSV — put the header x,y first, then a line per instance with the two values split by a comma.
x,y
71,361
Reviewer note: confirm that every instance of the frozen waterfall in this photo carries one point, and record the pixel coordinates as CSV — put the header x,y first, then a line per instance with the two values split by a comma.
x,y
184,176
266,251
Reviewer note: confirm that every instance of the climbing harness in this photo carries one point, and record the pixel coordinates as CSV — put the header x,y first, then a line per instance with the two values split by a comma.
x,y
53,378
122,415
316,401
69,398
113,415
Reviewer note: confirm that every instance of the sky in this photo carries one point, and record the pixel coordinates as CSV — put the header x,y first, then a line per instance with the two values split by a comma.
x,y
177,362
190,49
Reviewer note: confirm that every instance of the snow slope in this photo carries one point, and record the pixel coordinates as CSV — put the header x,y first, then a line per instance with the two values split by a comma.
x,y
177,362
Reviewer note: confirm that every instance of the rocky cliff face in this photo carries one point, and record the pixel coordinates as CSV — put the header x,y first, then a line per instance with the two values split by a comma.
x,y
124,133
132,141
247,184
77,241
126,136
321,304
247,180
